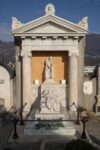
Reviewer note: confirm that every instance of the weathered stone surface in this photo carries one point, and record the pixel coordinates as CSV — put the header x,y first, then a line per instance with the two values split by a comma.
x,y
6,89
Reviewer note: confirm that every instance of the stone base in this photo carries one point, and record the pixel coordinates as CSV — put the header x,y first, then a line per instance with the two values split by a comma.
x,y
43,132
36,138
50,128
49,116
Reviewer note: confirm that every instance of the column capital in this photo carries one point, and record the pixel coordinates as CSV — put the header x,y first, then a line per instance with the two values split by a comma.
x,y
73,54
26,54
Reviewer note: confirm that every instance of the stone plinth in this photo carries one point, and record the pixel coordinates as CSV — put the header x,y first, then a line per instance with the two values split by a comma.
x,y
50,128
50,103
49,116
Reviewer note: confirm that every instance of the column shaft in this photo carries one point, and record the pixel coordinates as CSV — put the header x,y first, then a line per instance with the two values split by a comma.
x,y
73,82
17,100
27,81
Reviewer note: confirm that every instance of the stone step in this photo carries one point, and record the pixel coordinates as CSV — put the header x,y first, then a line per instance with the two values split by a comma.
x,y
44,132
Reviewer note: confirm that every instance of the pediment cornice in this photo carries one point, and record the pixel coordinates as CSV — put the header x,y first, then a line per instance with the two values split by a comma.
x,y
75,28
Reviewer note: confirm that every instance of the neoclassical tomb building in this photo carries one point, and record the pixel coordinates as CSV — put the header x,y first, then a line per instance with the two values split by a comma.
x,y
49,37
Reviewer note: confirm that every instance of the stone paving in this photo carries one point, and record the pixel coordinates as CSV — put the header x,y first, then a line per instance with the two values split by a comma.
x,y
92,126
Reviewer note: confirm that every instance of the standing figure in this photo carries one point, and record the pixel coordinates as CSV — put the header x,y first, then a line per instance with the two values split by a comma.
x,y
49,69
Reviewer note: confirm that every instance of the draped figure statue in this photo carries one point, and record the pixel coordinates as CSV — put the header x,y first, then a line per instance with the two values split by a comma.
x,y
49,68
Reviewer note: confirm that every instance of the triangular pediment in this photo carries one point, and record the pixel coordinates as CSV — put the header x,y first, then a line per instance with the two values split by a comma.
x,y
50,24
49,27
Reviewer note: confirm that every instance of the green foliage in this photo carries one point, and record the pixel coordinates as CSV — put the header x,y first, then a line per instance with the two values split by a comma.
x,y
78,145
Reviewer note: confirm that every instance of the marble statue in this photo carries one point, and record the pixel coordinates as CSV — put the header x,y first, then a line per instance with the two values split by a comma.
x,y
49,69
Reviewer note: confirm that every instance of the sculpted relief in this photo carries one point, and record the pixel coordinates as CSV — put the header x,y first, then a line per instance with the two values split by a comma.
x,y
50,100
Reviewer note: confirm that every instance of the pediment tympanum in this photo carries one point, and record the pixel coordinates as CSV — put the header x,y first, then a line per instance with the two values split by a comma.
x,y
49,27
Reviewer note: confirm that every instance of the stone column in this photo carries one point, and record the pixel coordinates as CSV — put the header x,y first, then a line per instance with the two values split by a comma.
x,y
98,95
73,82
81,46
17,98
27,79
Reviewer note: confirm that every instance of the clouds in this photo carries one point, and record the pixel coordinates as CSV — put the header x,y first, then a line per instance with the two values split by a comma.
x,y
5,32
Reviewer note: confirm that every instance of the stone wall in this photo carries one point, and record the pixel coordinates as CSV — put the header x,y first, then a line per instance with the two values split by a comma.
x,y
90,91
6,88
60,62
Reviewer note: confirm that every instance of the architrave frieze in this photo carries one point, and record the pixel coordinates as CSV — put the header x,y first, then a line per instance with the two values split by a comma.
x,y
71,49
50,44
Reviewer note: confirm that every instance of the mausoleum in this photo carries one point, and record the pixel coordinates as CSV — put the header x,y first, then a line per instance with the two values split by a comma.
x,y
49,38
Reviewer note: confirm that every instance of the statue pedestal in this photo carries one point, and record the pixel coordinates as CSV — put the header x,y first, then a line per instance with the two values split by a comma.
x,y
50,104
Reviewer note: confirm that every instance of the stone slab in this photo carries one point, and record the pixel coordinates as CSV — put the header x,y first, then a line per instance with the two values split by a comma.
x,y
22,138
50,128
49,116
44,132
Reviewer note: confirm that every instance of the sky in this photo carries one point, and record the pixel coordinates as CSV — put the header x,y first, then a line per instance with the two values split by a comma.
x,y
27,10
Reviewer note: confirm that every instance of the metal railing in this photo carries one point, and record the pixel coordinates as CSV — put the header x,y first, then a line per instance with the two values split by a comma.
x,y
18,117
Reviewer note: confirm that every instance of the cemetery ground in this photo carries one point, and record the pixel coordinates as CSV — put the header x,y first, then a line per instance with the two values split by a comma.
x,y
92,130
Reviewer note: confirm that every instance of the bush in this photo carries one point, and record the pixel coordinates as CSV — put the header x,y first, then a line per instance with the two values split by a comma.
x,y
78,145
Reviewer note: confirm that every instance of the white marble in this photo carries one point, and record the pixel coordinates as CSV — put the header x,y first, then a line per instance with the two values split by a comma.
x,y
36,82
88,87
73,80
63,81
27,79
